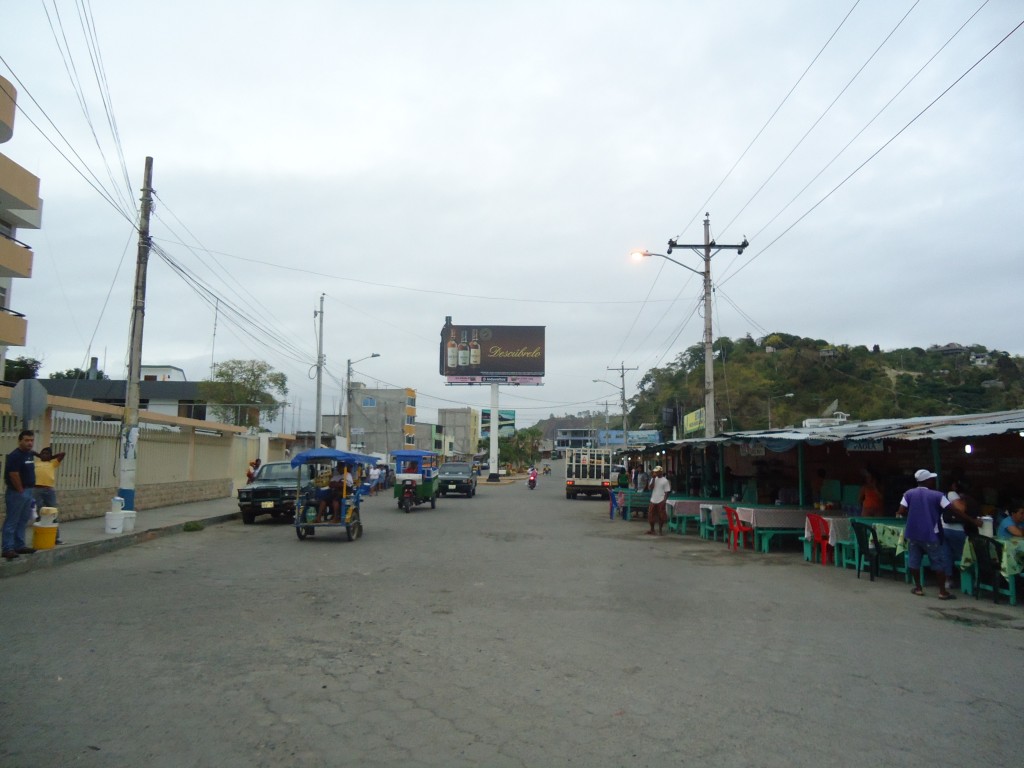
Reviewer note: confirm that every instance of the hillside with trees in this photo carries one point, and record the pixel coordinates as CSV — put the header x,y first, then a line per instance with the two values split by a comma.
x,y
868,383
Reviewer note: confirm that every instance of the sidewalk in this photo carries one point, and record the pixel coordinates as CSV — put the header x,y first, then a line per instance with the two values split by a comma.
x,y
88,538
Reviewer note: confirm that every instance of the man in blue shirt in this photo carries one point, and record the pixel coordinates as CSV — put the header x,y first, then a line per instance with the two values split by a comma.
x,y
20,478
1013,525
923,507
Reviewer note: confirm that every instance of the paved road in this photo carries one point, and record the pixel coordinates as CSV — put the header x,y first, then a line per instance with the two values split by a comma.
x,y
513,629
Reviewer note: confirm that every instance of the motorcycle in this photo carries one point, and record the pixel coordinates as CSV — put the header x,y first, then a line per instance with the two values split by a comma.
x,y
532,482
408,495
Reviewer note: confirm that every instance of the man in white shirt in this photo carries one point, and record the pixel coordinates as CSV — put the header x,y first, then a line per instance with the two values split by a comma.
x,y
656,513
374,479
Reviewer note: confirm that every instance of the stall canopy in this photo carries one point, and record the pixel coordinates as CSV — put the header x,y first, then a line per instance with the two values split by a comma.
x,y
915,428
332,454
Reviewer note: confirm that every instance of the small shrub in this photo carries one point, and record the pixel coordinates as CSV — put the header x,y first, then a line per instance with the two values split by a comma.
x,y
193,525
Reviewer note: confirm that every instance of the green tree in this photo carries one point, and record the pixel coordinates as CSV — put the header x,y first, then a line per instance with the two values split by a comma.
x,y
76,373
242,392
22,368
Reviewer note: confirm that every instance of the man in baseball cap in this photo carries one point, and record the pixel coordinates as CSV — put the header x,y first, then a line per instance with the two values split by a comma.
x,y
923,507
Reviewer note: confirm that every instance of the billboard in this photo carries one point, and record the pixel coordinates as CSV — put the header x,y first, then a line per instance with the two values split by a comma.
x,y
694,421
612,438
506,423
492,354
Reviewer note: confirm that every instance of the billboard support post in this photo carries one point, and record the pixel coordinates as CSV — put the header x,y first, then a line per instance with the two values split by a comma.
x,y
492,476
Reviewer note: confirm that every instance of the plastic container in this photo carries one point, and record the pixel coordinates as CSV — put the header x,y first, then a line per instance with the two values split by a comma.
x,y
115,522
44,536
48,515
986,525
116,504
128,525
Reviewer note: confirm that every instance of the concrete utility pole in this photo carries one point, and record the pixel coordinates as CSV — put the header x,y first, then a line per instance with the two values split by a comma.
x,y
625,428
708,249
129,449
319,373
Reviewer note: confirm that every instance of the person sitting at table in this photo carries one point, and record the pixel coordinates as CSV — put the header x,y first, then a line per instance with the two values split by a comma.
x,y
870,496
1013,525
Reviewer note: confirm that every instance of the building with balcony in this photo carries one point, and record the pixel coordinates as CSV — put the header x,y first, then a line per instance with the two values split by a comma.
x,y
20,208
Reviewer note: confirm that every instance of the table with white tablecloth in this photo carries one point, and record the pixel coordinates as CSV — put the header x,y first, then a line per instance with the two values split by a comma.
x,y
769,522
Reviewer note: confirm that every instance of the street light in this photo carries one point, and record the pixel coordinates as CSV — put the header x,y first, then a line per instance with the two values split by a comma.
x,y
706,250
622,388
348,398
788,394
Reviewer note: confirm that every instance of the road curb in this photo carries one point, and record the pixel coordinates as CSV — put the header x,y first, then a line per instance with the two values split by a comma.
x,y
71,553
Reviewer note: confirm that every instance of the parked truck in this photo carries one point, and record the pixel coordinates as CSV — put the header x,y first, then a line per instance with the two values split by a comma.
x,y
588,471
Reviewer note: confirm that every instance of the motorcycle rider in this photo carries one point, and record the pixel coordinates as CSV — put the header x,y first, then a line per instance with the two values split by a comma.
x,y
532,477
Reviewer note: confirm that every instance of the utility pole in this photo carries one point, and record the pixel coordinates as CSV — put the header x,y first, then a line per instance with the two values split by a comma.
x,y
625,433
708,249
319,372
129,449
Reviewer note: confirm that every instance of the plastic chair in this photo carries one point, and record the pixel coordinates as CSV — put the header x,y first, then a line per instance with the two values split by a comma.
x,y
869,550
820,529
738,530
988,554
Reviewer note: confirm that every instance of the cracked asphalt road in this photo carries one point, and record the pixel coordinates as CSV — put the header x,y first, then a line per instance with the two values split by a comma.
x,y
513,629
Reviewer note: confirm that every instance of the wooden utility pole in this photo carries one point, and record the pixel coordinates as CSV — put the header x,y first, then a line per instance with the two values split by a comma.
x,y
625,429
129,453
319,373
708,249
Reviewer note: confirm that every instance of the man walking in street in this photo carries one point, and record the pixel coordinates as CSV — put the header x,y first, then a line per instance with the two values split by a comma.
x,y
660,488
923,507
20,478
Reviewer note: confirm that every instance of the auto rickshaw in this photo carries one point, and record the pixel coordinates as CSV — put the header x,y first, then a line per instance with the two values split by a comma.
x,y
415,478
310,493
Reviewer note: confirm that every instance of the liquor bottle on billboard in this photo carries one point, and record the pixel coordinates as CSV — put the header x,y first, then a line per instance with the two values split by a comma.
x,y
474,349
452,351
463,355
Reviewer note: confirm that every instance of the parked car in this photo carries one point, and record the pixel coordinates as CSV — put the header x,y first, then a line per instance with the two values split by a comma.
x,y
271,492
456,477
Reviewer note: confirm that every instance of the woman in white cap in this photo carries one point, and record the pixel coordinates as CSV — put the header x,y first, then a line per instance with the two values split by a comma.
x,y
660,488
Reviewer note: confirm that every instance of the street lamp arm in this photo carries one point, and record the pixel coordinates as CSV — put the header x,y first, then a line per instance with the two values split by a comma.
x,y
645,254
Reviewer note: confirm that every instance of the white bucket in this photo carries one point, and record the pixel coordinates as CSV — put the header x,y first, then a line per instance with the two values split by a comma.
x,y
115,522
47,515
129,521
116,504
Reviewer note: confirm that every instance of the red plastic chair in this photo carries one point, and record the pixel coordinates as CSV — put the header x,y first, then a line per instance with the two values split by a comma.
x,y
738,530
820,532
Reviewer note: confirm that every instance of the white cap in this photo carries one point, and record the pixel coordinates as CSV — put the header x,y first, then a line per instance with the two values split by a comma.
x,y
657,469
923,474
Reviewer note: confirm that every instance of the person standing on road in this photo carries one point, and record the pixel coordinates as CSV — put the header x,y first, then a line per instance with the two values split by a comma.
x,y
374,479
20,478
923,507
660,488
46,479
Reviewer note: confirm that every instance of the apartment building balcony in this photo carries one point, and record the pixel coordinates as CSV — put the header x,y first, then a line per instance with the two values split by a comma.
x,y
13,328
8,95
15,258
20,205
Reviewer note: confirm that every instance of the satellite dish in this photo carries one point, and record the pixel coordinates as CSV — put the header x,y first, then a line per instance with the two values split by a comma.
x,y
832,408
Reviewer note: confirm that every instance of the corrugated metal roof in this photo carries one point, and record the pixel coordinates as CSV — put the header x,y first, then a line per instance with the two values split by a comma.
x,y
914,428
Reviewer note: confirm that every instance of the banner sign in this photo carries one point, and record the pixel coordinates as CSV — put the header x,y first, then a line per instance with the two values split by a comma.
x,y
694,421
492,354
611,438
506,423
864,445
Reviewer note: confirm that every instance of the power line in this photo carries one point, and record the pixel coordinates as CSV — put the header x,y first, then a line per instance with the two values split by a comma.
x,y
874,154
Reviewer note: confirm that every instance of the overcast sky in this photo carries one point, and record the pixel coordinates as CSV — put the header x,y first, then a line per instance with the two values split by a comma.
x,y
497,162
